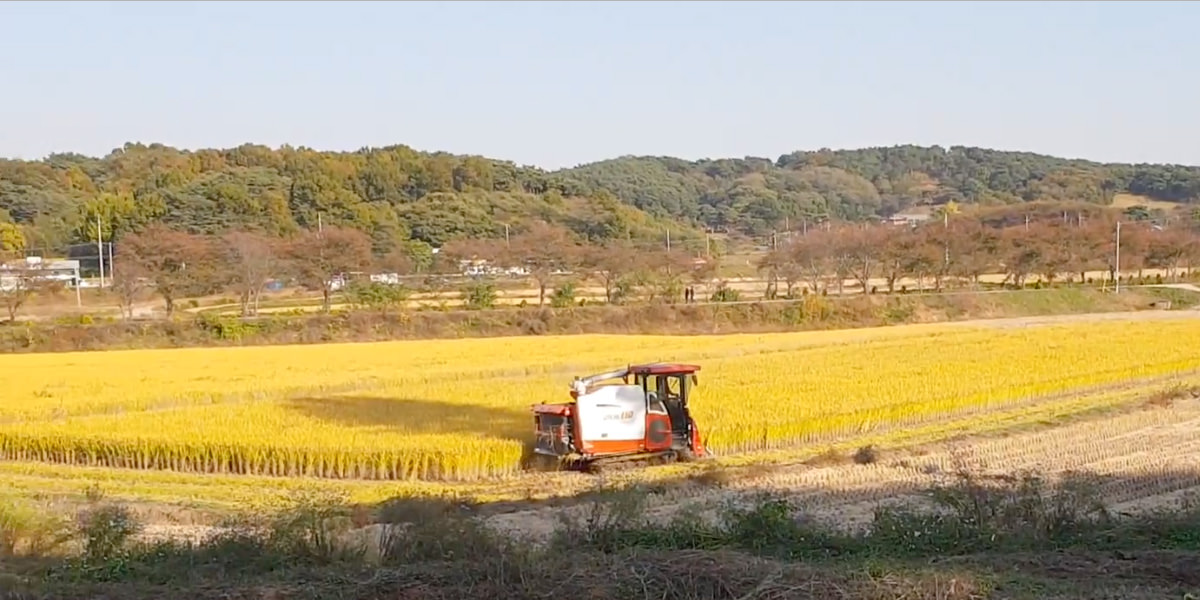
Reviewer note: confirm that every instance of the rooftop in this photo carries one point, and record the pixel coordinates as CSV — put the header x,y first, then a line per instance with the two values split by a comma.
x,y
36,262
663,368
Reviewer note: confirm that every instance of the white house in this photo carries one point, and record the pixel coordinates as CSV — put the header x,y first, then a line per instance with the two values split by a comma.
x,y
36,269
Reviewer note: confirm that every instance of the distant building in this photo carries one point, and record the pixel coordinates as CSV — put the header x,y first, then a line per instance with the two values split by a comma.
x,y
480,267
907,218
35,269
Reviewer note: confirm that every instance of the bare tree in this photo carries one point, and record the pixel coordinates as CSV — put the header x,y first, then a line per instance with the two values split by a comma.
x,y
1168,250
1051,244
1191,251
865,249
253,259
974,250
1135,241
771,264
842,258
1090,245
178,263
611,264
398,261
318,257
899,244
811,256
543,250
19,281
663,274
931,254
129,281
1022,255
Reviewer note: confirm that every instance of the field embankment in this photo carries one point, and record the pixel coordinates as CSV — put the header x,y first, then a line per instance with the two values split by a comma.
x,y
808,313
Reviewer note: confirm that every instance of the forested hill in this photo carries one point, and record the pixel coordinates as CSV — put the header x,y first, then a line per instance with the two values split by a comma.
x,y
397,194
756,194
394,193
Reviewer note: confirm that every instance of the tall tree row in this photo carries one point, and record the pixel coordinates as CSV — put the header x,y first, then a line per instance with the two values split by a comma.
x,y
964,249
176,264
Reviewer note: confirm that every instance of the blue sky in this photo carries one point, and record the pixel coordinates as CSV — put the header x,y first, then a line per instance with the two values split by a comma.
x,y
558,84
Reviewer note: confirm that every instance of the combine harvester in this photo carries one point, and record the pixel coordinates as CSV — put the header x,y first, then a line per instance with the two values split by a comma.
x,y
621,423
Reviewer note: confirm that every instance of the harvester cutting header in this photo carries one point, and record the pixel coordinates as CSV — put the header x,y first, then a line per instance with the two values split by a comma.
x,y
610,422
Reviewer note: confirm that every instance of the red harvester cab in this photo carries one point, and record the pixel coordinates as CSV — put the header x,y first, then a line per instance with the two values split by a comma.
x,y
617,422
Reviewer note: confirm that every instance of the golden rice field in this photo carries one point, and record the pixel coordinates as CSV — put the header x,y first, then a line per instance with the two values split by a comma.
x,y
250,493
458,409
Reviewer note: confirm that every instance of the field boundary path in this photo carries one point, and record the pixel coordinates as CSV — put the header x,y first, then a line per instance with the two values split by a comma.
x,y
1191,287
1133,315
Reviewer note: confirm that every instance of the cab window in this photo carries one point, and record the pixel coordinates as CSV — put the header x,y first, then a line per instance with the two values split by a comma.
x,y
654,404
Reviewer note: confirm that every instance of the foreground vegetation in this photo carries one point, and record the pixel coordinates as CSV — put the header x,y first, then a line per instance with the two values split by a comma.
x,y
457,410
1061,536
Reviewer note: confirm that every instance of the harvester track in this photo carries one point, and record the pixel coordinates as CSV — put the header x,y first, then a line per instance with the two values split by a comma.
x,y
629,463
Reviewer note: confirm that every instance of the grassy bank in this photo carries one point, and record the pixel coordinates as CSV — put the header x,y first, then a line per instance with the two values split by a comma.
x,y
1062,538
809,313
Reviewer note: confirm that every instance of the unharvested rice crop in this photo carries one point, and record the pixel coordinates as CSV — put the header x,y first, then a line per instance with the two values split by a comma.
x,y
121,381
459,409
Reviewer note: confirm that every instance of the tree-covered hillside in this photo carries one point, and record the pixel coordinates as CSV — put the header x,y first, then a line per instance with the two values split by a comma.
x,y
756,195
397,194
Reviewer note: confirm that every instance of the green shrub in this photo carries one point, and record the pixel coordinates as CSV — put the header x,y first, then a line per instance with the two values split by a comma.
x,y
480,295
27,530
564,296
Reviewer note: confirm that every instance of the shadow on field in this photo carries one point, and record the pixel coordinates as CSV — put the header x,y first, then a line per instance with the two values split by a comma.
x,y
417,416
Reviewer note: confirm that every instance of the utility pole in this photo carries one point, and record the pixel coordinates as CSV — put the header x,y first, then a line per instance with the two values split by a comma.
x,y
946,227
506,234
78,285
100,248
1117,262
668,239
321,250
